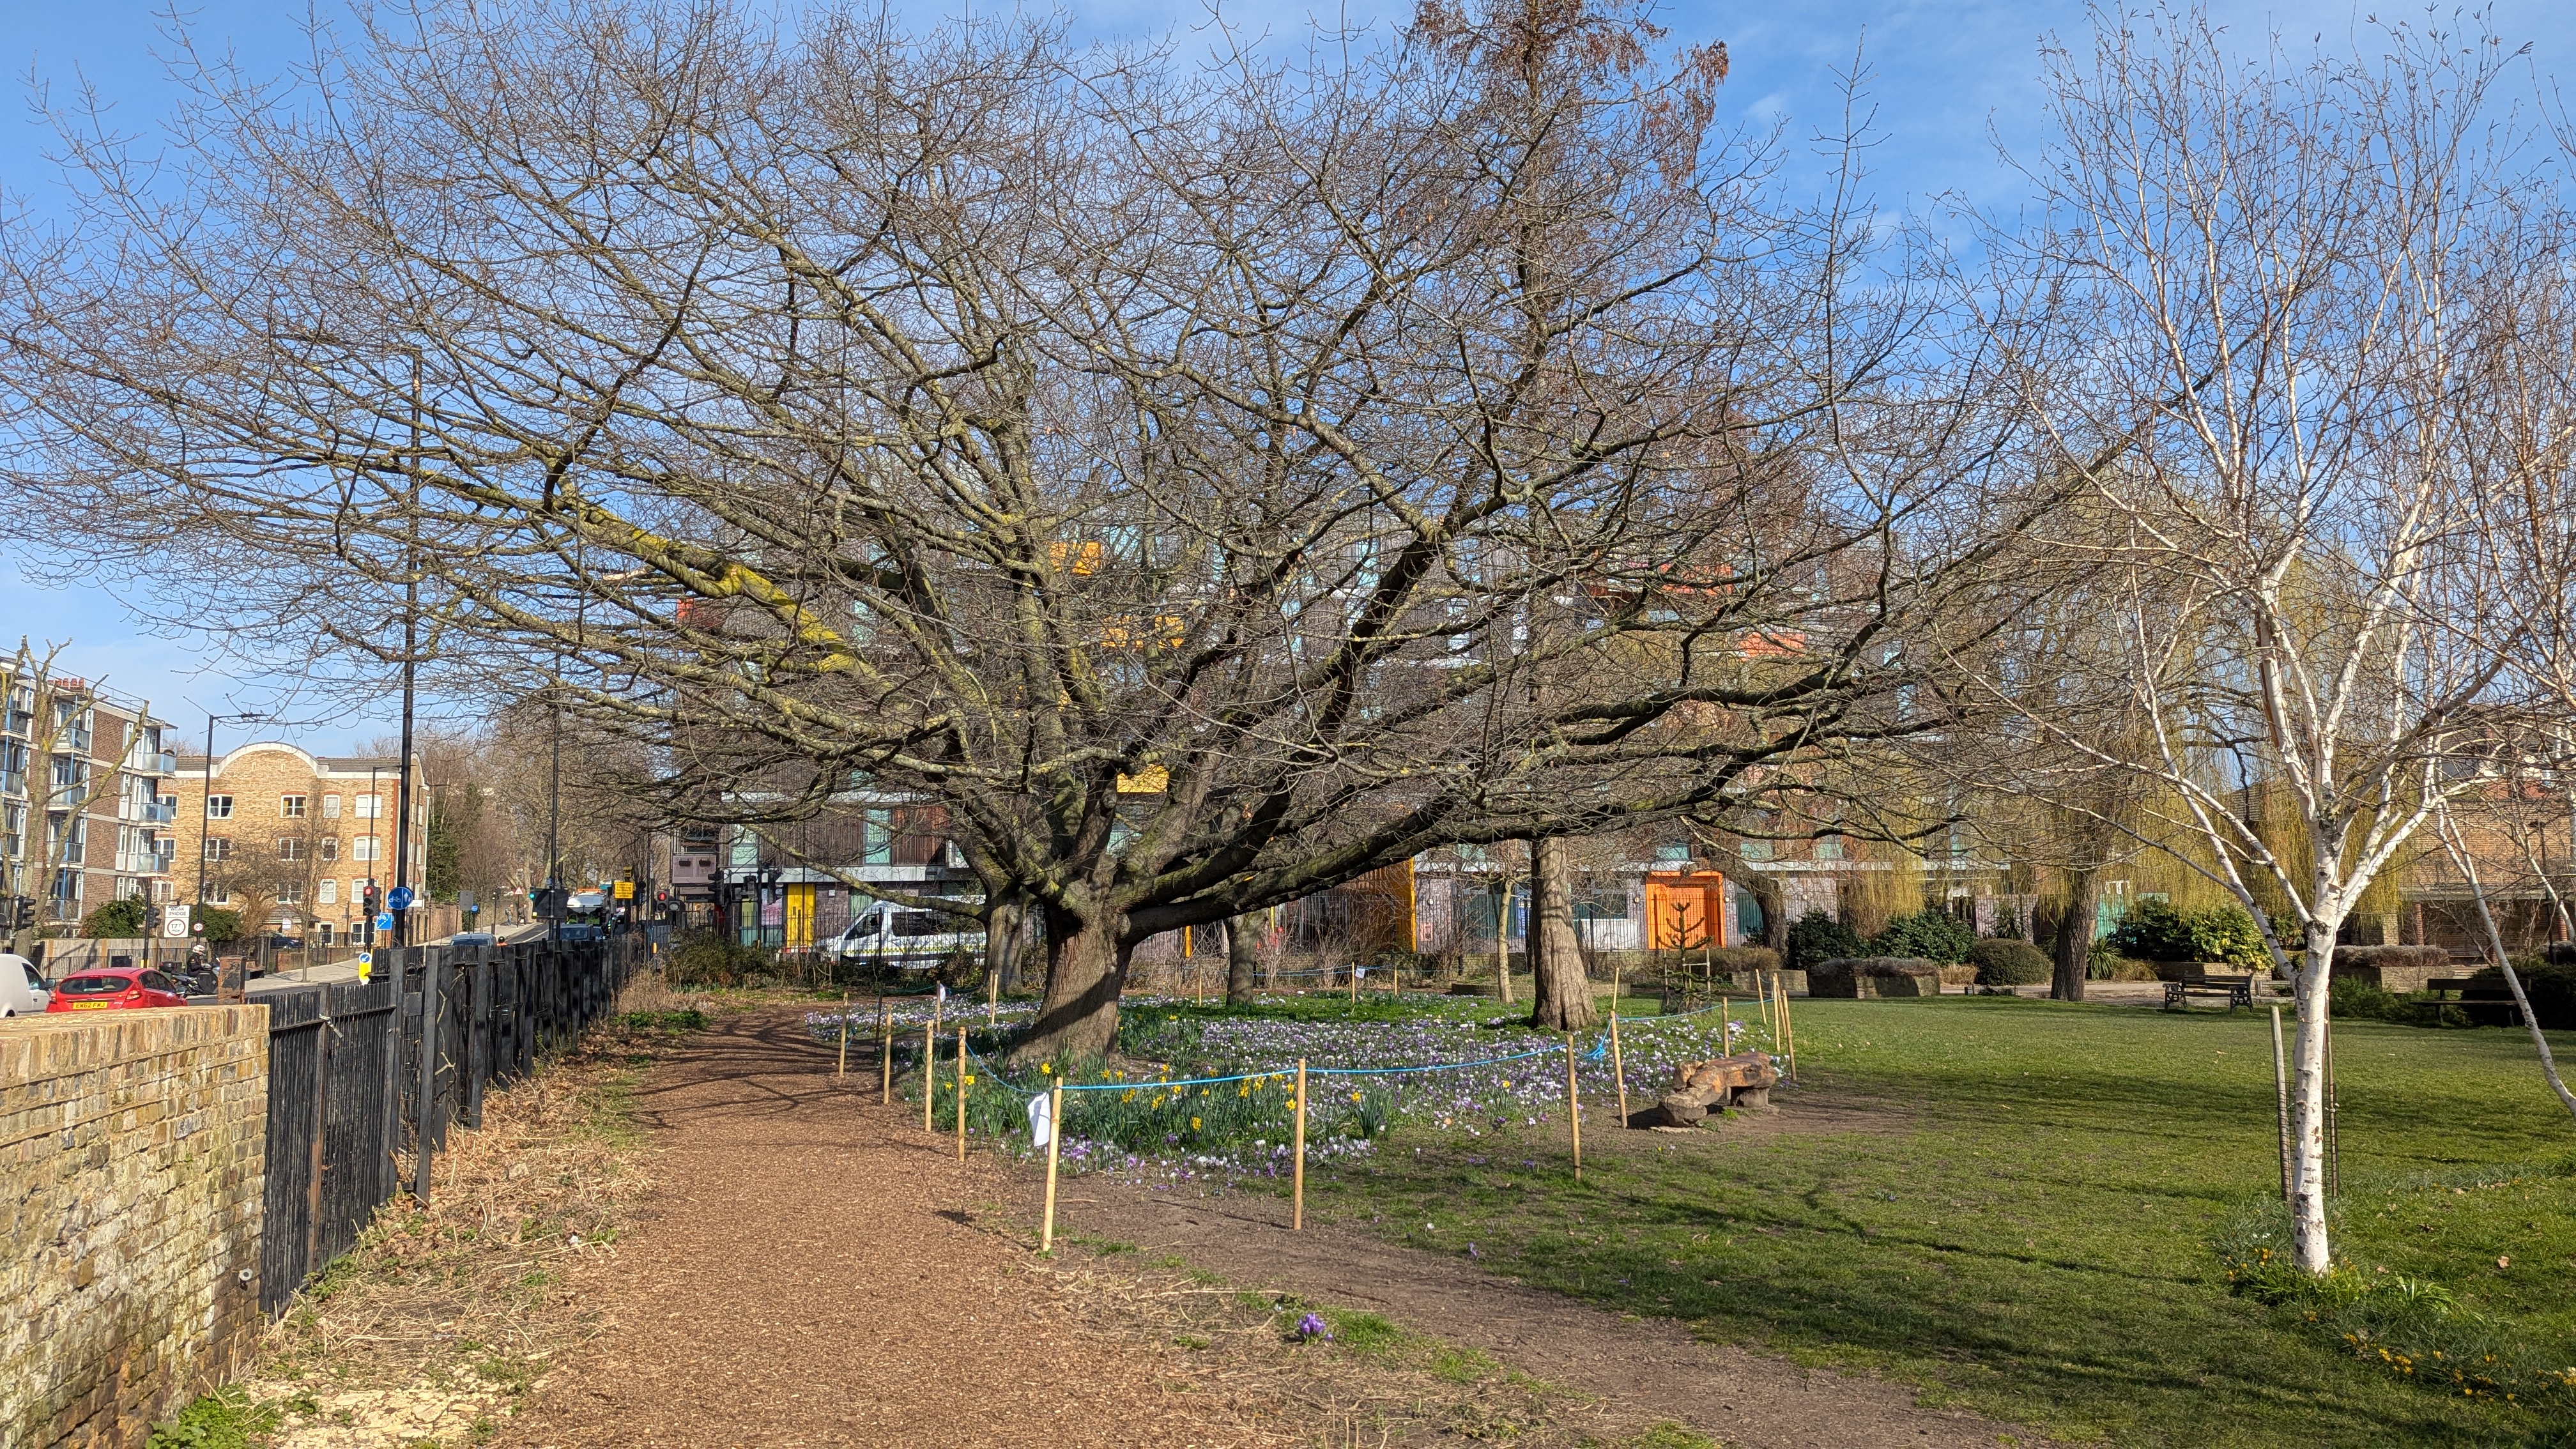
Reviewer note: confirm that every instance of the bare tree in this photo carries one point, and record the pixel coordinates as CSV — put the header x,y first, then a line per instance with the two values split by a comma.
x,y
1204,490
2300,289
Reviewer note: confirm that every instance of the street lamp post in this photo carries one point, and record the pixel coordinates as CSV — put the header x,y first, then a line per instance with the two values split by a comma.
x,y
206,798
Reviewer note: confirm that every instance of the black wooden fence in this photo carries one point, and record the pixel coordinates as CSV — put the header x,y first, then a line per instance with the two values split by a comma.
x,y
358,1110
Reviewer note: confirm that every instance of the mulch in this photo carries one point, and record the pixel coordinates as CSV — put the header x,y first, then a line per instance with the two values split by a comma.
x,y
812,1270
807,1273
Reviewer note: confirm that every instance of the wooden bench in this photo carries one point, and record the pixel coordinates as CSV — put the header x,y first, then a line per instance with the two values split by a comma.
x,y
2484,1003
2239,990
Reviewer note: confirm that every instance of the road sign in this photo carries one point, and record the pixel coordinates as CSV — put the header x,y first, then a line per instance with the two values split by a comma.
x,y
174,921
399,899
626,890
384,920
366,965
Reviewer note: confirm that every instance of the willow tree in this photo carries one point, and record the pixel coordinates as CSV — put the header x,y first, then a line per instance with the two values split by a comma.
x,y
1204,486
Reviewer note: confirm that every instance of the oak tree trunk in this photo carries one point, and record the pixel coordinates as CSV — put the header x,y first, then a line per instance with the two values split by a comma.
x,y
2074,949
1086,971
1560,994
1005,937
1242,960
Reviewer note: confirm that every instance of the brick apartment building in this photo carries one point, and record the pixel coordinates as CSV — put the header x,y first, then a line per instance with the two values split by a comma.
x,y
293,840
82,822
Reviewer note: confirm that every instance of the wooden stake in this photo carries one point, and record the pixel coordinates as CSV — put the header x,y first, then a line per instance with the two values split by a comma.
x,y
992,999
1725,1038
961,1094
1055,1135
1573,1108
2280,1104
885,1053
1297,1188
929,1073
1617,1069
1355,983
1788,1028
843,1069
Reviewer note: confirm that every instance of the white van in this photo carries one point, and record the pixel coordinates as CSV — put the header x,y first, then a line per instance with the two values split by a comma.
x,y
22,987
905,939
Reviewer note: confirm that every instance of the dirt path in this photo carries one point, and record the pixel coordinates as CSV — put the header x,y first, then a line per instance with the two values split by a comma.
x,y
805,1275
1651,1368
810,1271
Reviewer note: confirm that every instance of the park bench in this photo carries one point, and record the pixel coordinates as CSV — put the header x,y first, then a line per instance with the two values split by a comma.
x,y
2239,990
2485,1003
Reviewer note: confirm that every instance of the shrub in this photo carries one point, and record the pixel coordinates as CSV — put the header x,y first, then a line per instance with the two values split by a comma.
x,y
222,927
707,958
1818,937
2155,930
2002,962
1745,958
2550,986
1928,935
117,920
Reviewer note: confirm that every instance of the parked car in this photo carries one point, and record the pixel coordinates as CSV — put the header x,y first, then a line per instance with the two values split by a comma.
x,y
115,986
22,987
903,938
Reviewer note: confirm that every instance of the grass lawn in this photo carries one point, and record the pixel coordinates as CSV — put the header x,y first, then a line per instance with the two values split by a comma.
x,y
2017,1205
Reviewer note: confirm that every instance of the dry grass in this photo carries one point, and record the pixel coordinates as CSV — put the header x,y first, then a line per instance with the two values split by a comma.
x,y
445,1313
1372,1383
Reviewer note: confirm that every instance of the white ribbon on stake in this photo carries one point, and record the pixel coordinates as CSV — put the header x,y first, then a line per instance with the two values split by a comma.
x,y
1041,1123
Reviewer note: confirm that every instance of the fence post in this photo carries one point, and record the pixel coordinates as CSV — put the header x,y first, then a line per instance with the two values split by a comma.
x,y
1055,1136
1297,1193
929,1072
1573,1108
1620,1071
425,1110
389,1169
478,1036
961,1094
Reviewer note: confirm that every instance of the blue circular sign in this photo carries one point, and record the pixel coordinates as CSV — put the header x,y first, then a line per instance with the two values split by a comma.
x,y
399,898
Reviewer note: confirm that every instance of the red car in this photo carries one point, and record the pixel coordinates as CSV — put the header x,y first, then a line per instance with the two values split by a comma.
x,y
115,986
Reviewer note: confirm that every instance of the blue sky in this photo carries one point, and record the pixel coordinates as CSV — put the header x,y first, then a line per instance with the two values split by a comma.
x,y
1945,73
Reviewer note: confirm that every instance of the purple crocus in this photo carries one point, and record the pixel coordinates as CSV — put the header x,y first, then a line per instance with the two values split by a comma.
x,y
1313,1326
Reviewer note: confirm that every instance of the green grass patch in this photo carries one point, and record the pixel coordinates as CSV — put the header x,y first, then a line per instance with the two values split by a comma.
x,y
2034,1209
686,1019
224,1419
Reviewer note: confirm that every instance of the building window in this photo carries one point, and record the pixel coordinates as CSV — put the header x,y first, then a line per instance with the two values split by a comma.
x,y
1829,848
369,806
322,930
219,894
328,893
219,807
290,847
330,807
290,893
291,807
330,847
363,848
218,848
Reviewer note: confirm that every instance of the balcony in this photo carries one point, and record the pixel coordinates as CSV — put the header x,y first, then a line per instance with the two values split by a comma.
x,y
160,812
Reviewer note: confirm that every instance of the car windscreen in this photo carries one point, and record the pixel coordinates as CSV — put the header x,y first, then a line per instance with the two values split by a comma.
x,y
93,985
921,923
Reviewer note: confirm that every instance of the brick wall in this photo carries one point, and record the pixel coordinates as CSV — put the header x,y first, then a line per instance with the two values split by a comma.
x,y
131,1151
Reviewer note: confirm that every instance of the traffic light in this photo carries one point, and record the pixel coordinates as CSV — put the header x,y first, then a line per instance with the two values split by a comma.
x,y
22,915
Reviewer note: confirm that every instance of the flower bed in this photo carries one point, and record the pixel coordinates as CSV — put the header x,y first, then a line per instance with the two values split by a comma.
x,y
1206,1094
